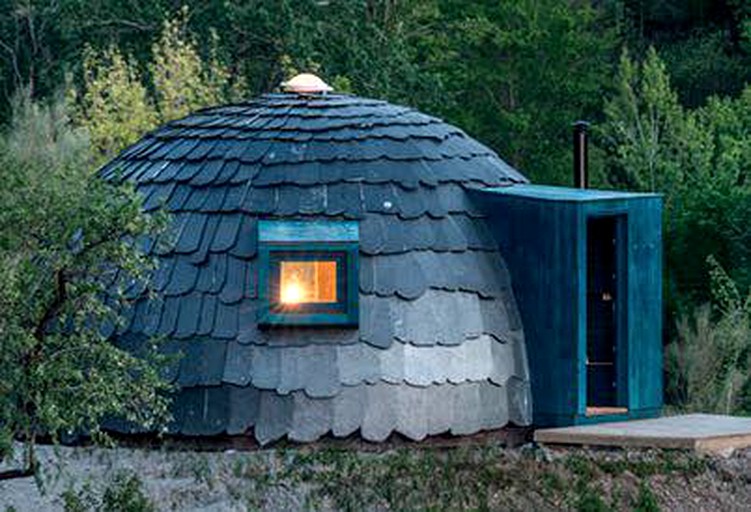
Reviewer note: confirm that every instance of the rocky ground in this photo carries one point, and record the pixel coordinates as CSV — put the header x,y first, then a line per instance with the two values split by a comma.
x,y
348,476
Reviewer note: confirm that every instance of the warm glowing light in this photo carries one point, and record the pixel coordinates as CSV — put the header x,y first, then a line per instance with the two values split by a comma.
x,y
292,293
307,282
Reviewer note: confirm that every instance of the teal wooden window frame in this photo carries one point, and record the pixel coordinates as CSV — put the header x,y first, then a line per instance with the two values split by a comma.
x,y
309,241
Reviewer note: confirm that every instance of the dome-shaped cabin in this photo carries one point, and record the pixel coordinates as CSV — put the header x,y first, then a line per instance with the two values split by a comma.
x,y
326,272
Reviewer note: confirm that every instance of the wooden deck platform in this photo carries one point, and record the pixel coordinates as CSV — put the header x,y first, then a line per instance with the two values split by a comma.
x,y
706,433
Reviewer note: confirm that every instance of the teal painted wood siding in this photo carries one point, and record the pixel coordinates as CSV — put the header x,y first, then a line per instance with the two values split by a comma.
x,y
542,234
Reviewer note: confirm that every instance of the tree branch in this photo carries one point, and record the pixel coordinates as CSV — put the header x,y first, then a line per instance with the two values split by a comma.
x,y
16,473
59,299
13,60
147,27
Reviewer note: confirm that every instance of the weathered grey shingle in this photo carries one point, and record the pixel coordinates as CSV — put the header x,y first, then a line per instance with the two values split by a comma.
x,y
349,411
376,410
325,370
274,416
204,411
202,362
413,413
311,418
519,401
243,405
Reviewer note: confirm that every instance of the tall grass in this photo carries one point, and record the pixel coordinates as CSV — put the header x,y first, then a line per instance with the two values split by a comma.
x,y
709,363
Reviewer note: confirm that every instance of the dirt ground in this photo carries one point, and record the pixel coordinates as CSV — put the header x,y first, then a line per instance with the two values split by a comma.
x,y
337,476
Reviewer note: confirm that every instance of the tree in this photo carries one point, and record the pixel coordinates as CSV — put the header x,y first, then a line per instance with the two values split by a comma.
x,y
647,131
699,160
67,259
117,103
716,200
183,81
114,107
520,73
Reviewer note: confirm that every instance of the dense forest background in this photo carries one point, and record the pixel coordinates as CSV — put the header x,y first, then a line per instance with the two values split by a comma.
x,y
663,82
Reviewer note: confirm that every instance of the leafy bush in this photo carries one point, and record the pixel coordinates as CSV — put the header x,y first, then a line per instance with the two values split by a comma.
x,y
66,241
124,493
117,103
646,501
709,364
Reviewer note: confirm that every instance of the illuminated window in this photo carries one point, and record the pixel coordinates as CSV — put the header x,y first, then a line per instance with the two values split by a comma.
x,y
308,273
304,282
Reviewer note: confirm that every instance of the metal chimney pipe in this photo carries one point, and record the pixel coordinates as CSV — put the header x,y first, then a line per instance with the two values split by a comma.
x,y
581,158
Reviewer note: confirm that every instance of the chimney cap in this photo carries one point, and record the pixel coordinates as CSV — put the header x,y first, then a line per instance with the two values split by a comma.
x,y
306,83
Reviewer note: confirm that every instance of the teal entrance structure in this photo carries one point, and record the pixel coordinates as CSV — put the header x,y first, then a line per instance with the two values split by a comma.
x,y
586,269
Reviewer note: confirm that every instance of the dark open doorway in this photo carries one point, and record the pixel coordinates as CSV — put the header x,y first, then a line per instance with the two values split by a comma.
x,y
603,321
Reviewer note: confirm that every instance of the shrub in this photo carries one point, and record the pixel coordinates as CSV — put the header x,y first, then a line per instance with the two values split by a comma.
x,y
124,493
66,262
708,364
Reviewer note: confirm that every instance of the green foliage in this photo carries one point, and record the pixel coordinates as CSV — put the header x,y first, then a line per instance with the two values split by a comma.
x,y
182,81
471,477
590,499
408,479
64,239
705,63
646,501
124,493
82,500
118,103
698,39
519,73
382,49
714,203
647,132
114,106
709,364
698,159
514,74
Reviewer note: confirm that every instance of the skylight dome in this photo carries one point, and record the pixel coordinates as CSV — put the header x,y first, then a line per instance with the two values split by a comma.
x,y
306,83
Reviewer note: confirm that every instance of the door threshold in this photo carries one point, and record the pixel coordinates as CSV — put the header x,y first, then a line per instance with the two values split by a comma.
x,y
603,411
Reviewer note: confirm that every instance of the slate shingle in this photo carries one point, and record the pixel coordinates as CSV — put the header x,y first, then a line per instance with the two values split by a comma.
x,y
344,199
208,315
259,200
226,232
182,278
233,289
208,174
202,363
245,246
243,404
225,321
204,412
191,234
189,316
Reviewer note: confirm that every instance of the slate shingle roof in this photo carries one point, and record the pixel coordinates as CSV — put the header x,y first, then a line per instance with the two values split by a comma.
x,y
438,322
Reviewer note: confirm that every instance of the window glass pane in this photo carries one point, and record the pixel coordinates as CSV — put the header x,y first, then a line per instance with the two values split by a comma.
x,y
308,282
